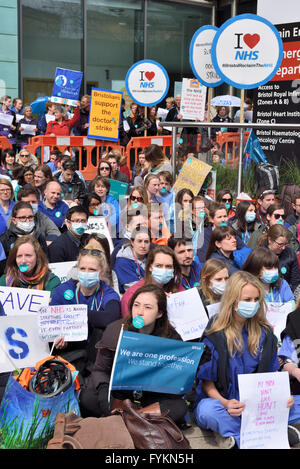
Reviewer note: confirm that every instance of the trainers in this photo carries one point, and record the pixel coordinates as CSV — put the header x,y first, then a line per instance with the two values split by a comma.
x,y
224,442
293,436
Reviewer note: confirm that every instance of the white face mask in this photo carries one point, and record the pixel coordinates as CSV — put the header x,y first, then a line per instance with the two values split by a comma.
x,y
218,287
26,226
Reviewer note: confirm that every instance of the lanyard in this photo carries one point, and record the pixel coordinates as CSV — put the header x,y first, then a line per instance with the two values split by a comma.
x,y
94,302
187,283
271,295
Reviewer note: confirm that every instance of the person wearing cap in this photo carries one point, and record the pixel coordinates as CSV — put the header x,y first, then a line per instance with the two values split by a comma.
x,y
265,198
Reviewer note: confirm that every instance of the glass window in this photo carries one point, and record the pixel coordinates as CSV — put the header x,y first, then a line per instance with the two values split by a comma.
x,y
115,40
170,28
52,37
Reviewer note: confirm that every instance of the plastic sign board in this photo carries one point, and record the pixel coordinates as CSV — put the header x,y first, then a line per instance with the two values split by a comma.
x,y
105,110
147,82
66,88
200,56
247,51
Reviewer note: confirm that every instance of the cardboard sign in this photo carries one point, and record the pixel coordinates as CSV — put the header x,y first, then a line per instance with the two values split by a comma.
x,y
193,97
104,116
192,175
265,417
187,314
20,345
68,321
66,88
98,225
20,301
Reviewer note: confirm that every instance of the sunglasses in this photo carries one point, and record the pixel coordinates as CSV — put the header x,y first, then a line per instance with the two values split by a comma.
x,y
227,200
133,198
104,168
278,215
93,252
23,154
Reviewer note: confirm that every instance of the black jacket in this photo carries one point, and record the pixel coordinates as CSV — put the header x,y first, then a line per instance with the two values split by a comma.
x,y
66,247
75,189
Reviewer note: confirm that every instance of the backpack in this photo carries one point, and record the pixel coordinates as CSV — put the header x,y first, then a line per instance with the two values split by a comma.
x,y
266,176
287,196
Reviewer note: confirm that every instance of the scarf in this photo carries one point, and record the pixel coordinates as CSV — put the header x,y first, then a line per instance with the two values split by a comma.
x,y
34,281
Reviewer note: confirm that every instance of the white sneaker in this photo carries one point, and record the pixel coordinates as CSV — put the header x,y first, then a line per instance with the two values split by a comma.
x,y
224,442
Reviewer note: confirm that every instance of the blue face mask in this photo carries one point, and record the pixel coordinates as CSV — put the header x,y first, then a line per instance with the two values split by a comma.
x,y
227,206
223,223
23,267
280,222
88,279
96,212
270,276
250,217
35,208
162,276
247,309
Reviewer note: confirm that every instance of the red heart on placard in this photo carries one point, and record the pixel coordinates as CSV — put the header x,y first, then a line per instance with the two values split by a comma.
x,y
149,75
251,40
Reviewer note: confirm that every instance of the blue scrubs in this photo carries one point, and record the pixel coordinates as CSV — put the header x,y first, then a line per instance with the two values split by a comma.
x,y
209,413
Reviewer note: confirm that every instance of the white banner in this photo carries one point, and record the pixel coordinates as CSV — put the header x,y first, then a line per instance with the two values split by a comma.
x,y
193,95
20,345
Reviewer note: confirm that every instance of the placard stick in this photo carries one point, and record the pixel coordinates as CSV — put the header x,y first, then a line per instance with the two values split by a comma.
x,y
209,96
145,116
239,188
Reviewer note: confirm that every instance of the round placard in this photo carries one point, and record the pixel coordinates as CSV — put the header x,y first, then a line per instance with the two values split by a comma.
x,y
247,51
200,56
147,82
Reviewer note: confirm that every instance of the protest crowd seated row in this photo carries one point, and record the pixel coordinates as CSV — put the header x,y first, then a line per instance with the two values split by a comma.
x,y
239,257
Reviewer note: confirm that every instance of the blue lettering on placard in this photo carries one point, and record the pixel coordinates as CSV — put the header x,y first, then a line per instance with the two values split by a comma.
x,y
10,331
147,85
34,303
245,55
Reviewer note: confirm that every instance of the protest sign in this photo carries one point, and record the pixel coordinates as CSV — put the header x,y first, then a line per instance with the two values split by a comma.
x,y
200,56
117,189
98,225
66,88
213,309
147,82
105,110
187,314
20,301
192,175
193,97
247,51
149,363
276,315
62,269
265,417
20,345
6,119
211,189
68,321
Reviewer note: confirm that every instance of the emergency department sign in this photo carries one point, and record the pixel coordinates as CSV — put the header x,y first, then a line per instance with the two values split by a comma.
x,y
247,51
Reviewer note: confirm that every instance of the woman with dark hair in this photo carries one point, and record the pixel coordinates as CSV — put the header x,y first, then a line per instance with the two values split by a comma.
x,y
157,159
28,119
151,121
221,116
22,176
150,303
183,217
244,221
91,202
162,269
277,240
222,245
7,196
104,169
8,162
264,264
224,196
109,205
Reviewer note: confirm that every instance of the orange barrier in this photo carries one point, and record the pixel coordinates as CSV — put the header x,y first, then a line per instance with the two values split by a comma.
x,y
83,145
4,143
229,143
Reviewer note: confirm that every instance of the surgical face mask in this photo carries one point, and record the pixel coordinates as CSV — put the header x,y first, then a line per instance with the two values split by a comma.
x,y
247,309
78,228
250,217
35,208
270,276
218,287
88,279
26,226
162,276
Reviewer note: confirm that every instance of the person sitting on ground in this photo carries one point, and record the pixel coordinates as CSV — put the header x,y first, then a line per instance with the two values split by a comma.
x,y
150,303
42,175
114,158
72,187
222,245
213,280
190,267
157,159
7,196
224,196
244,222
265,198
8,162
241,341
53,206
157,224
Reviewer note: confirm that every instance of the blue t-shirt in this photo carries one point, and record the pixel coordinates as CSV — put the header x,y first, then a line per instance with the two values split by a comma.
x,y
56,214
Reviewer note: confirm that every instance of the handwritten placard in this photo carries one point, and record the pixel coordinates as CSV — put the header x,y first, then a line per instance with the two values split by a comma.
x,y
20,301
20,345
276,315
265,417
68,321
62,269
213,309
193,97
187,314
192,175
98,225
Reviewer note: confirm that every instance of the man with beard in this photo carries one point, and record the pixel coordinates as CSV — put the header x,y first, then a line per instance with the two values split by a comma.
x,y
190,268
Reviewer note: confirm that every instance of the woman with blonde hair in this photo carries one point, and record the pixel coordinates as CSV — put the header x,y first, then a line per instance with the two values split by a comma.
x,y
241,341
213,280
25,158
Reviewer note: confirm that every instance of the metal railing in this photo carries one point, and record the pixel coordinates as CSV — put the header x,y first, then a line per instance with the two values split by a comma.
x,y
229,125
